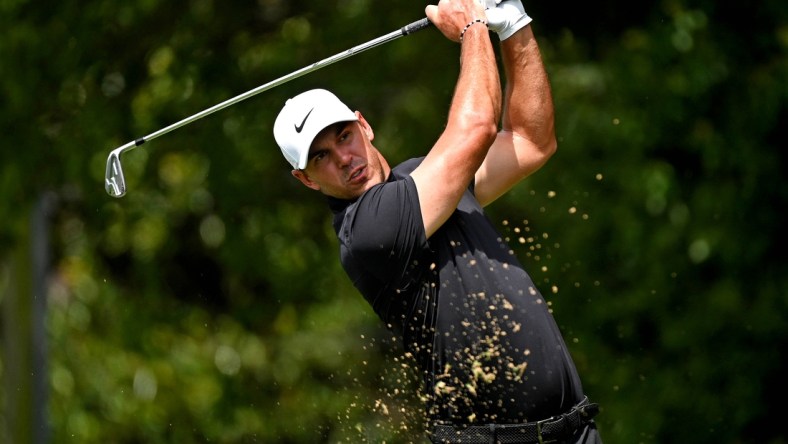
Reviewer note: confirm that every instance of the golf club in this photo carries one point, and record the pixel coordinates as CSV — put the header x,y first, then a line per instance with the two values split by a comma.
x,y
115,183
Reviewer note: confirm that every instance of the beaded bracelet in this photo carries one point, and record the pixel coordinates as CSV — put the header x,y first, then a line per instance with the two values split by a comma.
x,y
471,24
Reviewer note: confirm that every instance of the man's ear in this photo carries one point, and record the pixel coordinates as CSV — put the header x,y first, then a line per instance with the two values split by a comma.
x,y
365,126
304,178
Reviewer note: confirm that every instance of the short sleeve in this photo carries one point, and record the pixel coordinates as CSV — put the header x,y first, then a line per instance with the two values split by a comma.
x,y
385,229
383,232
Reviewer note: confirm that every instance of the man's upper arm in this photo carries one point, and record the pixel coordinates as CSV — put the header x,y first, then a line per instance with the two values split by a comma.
x,y
510,159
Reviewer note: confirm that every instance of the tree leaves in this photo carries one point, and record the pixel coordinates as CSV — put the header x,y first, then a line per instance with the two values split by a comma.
x,y
208,304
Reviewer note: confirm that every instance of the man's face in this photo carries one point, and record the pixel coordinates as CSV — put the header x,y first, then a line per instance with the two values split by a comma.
x,y
342,161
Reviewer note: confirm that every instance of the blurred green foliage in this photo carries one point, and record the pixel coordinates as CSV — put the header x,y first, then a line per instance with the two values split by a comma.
x,y
208,304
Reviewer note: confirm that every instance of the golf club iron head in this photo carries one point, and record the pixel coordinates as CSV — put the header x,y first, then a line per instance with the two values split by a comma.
x,y
114,181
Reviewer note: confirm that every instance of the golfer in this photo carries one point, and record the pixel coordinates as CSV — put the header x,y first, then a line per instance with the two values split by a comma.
x,y
416,243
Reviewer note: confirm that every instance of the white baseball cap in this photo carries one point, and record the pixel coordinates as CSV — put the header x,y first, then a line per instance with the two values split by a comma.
x,y
302,118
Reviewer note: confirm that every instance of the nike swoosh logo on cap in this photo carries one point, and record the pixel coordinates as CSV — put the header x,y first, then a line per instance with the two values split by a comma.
x,y
298,128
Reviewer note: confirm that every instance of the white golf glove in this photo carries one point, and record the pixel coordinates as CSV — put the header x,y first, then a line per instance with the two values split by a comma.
x,y
505,17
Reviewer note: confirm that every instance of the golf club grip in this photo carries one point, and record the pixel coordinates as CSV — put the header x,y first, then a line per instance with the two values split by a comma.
x,y
418,25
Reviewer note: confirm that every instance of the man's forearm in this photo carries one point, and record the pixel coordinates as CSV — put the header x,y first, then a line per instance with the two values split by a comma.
x,y
528,103
478,89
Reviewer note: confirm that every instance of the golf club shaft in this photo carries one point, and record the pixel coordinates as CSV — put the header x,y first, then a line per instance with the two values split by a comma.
x,y
114,181
405,30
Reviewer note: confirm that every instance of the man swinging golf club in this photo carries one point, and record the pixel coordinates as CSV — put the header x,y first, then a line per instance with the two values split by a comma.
x,y
416,243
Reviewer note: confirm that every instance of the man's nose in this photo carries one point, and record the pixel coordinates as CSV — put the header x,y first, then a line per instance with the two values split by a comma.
x,y
344,156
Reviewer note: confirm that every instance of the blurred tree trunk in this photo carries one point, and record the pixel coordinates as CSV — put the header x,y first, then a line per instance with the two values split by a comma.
x,y
24,336
17,359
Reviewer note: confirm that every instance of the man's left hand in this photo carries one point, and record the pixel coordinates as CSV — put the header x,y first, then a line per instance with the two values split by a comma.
x,y
506,17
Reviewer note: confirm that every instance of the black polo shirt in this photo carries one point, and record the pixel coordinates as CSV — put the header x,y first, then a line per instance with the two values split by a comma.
x,y
462,304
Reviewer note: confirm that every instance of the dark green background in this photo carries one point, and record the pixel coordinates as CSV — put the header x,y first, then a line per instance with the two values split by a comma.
x,y
208,304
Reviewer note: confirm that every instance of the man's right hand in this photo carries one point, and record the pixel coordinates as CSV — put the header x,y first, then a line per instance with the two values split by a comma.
x,y
452,16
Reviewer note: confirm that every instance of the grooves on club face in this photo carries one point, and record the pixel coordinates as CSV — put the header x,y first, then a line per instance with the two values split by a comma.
x,y
114,182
